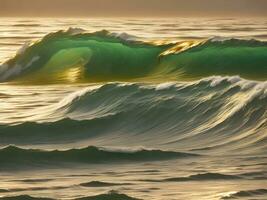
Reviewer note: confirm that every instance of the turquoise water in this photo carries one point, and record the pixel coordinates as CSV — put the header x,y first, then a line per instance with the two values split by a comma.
x,y
171,109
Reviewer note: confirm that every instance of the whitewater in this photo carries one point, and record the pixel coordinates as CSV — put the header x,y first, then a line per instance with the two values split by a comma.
x,y
123,109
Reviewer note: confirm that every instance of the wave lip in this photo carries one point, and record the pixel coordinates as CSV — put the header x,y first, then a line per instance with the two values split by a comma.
x,y
14,156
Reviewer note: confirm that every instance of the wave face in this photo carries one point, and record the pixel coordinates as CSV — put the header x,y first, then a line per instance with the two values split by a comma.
x,y
73,56
209,116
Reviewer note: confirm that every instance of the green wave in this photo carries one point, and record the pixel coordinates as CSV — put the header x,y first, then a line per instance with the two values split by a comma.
x,y
101,56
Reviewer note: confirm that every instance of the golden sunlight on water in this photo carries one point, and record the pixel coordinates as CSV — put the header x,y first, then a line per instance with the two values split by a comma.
x,y
152,136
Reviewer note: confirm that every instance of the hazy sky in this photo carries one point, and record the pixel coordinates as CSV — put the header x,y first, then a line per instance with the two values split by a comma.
x,y
126,8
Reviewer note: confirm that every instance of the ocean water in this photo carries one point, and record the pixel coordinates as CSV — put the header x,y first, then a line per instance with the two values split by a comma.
x,y
134,108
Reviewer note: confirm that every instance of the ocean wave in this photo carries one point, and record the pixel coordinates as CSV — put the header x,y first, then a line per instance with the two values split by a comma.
x,y
31,189
3,190
108,196
77,56
24,197
201,116
26,25
248,193
198,177
209,176
42,180
204,176
15,157
102,184
47,132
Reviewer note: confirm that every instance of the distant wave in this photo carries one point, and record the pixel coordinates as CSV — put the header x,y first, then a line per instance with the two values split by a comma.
x,y
112,195
209,176
198,177
204,176
253,194
42,180
24,197
12,156
26,25
102,184
31,189
76,56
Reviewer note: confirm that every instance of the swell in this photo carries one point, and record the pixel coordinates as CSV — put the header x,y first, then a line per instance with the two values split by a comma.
x,y
198,177
15,157
102,184
31,189
110,195
229,115
204,176
24,197
74,56
247,193
33,132
209,176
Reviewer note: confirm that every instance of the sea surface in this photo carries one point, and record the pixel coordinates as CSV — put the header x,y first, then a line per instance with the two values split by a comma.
x,y
131,108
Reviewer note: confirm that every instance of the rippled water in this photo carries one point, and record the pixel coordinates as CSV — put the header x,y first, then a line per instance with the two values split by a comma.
x,y
180,130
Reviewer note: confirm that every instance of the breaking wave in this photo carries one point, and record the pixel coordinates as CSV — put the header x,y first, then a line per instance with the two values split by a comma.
x,y
206,116
76,56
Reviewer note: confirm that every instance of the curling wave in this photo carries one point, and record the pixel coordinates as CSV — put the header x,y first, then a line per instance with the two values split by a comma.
x,y
75,56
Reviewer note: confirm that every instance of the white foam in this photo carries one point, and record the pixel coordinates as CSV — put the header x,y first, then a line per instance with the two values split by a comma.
x,y
125,149
7,71
75,31
10,71
164,86
76,95
220,39
216,80
124,36
25,46
234,79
